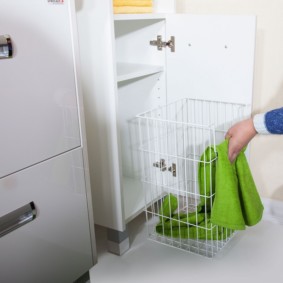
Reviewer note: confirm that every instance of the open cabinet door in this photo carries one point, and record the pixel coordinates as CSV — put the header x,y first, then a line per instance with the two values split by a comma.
x,y
213,58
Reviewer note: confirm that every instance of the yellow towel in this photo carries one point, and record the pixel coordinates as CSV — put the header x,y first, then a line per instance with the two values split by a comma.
x,y
142,3
132,10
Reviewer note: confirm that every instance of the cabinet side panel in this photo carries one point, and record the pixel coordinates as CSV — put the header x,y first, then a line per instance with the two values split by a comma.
x,y
96,34
83,128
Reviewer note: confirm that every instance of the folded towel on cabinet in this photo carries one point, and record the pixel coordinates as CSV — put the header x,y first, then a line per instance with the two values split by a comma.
x,y
142,3
132,10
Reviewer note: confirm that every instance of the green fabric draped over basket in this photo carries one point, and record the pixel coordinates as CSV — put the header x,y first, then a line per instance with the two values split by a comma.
x,y
236,202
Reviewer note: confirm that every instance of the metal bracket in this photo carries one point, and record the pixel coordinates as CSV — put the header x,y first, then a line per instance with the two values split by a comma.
x,y
160,164
173,169
163,167
161,44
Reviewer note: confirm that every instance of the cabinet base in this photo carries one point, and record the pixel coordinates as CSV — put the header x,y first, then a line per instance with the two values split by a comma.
x,y
118,242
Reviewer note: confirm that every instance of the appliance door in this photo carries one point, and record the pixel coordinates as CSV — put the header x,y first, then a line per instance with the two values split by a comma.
x,y
55,246
38,101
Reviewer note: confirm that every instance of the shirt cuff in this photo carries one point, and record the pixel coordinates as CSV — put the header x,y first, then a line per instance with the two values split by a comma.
x,y
259,124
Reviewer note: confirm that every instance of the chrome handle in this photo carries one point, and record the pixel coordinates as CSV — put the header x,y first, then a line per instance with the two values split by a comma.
x,y
6,47
17,218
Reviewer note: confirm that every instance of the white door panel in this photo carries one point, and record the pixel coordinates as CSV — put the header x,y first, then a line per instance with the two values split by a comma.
x,y
214,57
38,101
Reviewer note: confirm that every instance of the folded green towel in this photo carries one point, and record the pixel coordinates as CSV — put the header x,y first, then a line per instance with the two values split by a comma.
x,y
237,202
201,232
183,225
168,207
191,218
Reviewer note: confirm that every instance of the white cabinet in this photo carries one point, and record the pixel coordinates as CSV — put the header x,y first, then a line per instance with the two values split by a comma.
x,y
46,221
125,75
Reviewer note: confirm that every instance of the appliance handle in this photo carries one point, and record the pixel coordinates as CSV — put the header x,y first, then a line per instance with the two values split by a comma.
x,y
17,218
6,47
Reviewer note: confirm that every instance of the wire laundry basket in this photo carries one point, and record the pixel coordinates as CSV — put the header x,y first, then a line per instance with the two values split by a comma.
x,y
177,171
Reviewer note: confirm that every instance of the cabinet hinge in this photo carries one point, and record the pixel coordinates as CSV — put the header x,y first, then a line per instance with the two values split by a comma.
x,y
160,44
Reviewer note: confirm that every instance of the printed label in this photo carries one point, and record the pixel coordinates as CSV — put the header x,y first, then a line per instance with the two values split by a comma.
x,y
55,1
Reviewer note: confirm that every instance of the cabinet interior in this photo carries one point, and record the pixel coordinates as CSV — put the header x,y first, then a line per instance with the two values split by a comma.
x,y
141,86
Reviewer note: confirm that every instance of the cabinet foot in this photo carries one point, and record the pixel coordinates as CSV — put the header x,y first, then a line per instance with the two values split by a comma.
x,y
117,242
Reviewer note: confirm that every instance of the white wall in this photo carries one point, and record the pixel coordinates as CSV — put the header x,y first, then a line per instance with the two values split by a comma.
x,y
266,151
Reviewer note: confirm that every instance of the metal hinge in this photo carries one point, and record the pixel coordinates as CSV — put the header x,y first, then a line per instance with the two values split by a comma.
x,y
160,164
160,44
163,167
173,169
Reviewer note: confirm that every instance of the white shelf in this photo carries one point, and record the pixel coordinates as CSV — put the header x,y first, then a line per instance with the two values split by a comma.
x,y
129,17
127,71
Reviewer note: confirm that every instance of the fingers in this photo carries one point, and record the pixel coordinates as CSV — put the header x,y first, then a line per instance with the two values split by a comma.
x,y
232,148
228,135
232,157
239,135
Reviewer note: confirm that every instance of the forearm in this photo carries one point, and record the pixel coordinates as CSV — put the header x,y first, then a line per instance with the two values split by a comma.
x,y
243,132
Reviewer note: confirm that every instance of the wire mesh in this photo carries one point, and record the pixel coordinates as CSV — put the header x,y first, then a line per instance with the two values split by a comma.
x,y
177,171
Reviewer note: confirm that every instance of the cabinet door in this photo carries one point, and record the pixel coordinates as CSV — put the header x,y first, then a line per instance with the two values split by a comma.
x,y
56,246
38,102
213,58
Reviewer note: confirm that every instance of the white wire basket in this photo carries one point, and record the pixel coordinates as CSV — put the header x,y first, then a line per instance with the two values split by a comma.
x,y
173,139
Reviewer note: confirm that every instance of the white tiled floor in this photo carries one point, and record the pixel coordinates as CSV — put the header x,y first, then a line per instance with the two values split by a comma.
x,y
254,255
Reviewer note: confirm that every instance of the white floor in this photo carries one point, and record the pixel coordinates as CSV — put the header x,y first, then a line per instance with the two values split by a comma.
x,y
254,255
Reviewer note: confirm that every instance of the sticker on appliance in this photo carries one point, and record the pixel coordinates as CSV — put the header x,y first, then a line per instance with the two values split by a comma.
x,y
55,1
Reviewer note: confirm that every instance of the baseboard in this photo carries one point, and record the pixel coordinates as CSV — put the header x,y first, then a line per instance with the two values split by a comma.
x,y
273,210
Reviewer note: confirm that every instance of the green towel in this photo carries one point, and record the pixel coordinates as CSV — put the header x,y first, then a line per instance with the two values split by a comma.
x,y
183,225
206,177
183,221
168,207
200,232
237,202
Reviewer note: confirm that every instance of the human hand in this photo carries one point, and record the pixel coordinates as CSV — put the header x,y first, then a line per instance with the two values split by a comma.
x,y
239,136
